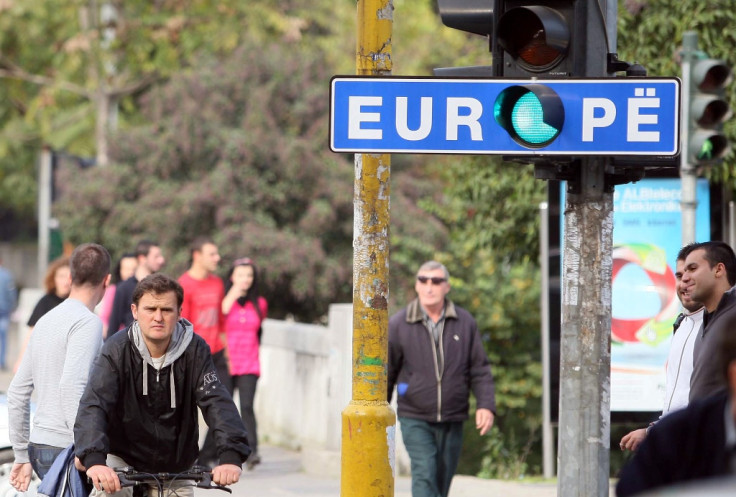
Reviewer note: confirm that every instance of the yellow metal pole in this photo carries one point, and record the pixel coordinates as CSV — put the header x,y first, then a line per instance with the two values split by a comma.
x,y
368,422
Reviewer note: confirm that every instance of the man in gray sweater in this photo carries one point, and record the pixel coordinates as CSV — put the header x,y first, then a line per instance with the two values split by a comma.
x,y
56,364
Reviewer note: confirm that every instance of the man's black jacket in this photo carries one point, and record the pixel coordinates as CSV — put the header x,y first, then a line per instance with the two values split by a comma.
x,y
151,422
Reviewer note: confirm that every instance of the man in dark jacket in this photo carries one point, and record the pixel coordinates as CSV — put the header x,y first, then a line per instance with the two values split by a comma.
x,y
140,405
436,358
695,443
709,275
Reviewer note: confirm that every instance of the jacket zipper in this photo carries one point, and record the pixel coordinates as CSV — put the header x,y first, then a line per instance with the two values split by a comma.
x,y
437,370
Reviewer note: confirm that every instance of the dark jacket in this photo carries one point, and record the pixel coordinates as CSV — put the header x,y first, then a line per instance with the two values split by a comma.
x,y
685,445
149,417
434,383
120,314
707,377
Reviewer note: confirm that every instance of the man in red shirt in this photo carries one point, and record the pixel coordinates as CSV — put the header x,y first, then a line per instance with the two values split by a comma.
x,y
202,306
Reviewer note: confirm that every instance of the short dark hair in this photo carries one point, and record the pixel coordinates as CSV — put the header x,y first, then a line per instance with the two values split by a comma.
x,y
685,251
116,276
144,247
719,252
198,243
158,284
89,264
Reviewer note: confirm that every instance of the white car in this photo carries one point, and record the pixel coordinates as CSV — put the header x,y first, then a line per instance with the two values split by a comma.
x,y
7,458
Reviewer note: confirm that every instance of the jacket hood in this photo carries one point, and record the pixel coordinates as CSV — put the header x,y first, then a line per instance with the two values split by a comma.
x,y
180,339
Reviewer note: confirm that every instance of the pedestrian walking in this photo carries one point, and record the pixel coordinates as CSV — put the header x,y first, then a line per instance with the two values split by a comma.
x,y
8,301
57,283
693,444
55,366
202,306
123,270
244,311
150,260
679,365
709,275
436,358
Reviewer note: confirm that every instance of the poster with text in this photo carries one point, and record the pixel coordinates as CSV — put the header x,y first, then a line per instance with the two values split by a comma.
x,y
647,235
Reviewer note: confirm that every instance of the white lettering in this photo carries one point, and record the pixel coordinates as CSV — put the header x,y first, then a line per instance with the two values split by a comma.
x,y
356,117
455,120
636,119
402,119
590,122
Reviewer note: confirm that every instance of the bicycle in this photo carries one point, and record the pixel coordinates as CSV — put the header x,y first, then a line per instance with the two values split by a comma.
x,y
199,476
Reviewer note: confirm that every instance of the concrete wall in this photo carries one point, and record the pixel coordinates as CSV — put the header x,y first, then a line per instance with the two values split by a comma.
x,y
22,261
306,382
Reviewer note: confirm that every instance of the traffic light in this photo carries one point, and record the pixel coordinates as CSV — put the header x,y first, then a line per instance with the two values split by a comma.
x,y
471,16
708,110
554,38
532,114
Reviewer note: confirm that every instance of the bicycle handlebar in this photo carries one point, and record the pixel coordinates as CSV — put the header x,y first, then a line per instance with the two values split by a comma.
x,y
202,475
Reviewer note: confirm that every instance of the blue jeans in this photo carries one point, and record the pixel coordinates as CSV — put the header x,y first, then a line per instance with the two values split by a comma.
x,y
434,450
42,457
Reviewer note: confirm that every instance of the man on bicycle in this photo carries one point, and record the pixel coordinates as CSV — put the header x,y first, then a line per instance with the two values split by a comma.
x,y
140,405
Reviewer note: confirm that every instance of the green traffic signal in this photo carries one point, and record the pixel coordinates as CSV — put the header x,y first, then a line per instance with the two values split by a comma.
x,y
533,115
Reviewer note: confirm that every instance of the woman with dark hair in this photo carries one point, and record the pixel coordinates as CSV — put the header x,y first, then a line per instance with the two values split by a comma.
x,y
124,269
244,311
58,284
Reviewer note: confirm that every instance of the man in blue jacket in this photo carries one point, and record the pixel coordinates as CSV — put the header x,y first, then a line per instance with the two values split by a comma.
x,y
436,357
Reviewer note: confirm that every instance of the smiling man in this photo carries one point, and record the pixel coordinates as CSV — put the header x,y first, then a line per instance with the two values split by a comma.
x,y
140,406
708,275
436,357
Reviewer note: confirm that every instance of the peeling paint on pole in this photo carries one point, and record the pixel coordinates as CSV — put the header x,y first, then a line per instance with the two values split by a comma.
x,y
585,351
368,427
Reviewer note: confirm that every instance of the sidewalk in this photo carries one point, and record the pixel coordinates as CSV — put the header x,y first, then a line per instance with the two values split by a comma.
x,y
280,476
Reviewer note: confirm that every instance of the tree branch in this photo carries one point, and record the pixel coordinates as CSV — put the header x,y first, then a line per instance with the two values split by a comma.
x,y
13,72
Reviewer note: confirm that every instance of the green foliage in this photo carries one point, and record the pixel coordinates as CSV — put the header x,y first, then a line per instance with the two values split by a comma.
x,y
492,209
650,32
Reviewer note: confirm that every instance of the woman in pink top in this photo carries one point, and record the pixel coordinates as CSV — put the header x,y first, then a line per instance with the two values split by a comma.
x,y
244,312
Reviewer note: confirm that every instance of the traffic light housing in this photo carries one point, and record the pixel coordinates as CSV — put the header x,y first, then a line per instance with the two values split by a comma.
x,y
554,38
708,110
471,16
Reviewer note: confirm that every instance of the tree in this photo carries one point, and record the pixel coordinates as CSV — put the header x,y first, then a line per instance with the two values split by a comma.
x,y
493,253
71,71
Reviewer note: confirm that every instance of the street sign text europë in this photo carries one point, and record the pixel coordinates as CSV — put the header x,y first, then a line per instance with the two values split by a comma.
x,y
609,116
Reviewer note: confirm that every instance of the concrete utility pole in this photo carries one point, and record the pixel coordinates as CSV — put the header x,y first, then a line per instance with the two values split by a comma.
x,y
368,422
44,211
584,429
688,175
585,337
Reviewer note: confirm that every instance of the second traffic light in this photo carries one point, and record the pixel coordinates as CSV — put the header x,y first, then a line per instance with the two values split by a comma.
x,y
708,110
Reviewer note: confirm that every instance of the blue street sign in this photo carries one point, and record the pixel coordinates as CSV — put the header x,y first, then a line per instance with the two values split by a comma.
x,y
613,116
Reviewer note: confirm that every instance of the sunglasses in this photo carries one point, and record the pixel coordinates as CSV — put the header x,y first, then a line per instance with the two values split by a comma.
x,y
436,280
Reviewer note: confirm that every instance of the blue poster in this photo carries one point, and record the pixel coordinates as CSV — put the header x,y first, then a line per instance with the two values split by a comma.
x,y
647,235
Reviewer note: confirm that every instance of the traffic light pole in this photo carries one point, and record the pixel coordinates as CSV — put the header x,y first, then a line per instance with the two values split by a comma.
x,y
368,423
688,175
585,341
584,429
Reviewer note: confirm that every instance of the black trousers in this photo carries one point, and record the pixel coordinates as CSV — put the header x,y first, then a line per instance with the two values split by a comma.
x,y
246,386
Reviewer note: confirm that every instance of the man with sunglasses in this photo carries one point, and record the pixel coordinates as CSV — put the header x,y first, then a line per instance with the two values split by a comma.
x,y
436,357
